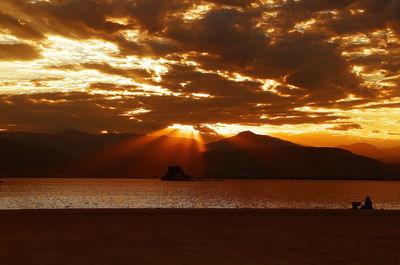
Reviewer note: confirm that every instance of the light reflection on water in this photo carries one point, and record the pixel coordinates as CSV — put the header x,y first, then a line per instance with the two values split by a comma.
x,y
153,193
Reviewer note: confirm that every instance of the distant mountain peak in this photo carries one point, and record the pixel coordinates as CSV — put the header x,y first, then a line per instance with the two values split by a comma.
x,y
359,147
71,132
364,149
248,139
244,133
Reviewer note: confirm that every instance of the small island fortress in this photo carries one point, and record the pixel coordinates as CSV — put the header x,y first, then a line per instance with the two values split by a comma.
x,y
175,173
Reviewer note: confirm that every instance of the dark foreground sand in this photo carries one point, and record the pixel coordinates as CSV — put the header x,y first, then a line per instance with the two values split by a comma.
x,y
245,237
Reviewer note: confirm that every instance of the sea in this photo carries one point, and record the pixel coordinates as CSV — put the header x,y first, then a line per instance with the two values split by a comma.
x,y
61,193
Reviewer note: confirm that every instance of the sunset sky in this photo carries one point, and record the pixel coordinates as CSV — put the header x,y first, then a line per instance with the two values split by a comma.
x,y
320,72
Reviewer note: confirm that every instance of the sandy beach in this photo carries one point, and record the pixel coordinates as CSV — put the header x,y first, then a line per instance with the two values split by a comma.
x,y
187,236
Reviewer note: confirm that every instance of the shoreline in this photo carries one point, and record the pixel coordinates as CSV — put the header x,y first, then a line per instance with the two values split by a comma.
x,y
207,179
348,211
199,236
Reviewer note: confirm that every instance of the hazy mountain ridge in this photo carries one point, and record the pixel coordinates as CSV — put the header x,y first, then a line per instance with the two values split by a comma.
x,y
293,162
73,153
386,155
69,141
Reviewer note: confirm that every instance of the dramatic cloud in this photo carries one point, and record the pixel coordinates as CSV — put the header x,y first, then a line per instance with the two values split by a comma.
x,y
346,127
220,66
15,52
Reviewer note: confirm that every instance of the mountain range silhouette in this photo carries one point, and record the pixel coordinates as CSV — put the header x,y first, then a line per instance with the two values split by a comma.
x,y
387,155
72,153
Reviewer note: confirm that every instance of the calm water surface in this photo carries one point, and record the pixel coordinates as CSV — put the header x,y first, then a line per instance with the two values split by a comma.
x,y
146,193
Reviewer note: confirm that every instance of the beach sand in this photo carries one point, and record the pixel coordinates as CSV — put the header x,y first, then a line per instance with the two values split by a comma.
x,y
188,236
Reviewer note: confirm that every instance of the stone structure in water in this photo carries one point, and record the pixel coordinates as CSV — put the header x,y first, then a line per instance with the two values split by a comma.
x,y
175,173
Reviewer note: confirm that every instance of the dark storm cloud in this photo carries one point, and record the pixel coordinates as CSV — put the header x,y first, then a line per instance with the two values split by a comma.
x,y
89,18
152,14
108,69
57,111
94,112
69,18
239,3
234,36
310,63
229,33
18,52
145,47
377,14
209,83
18,27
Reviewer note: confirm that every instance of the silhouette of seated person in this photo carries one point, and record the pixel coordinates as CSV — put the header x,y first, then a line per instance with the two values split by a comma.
x,y
368,204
